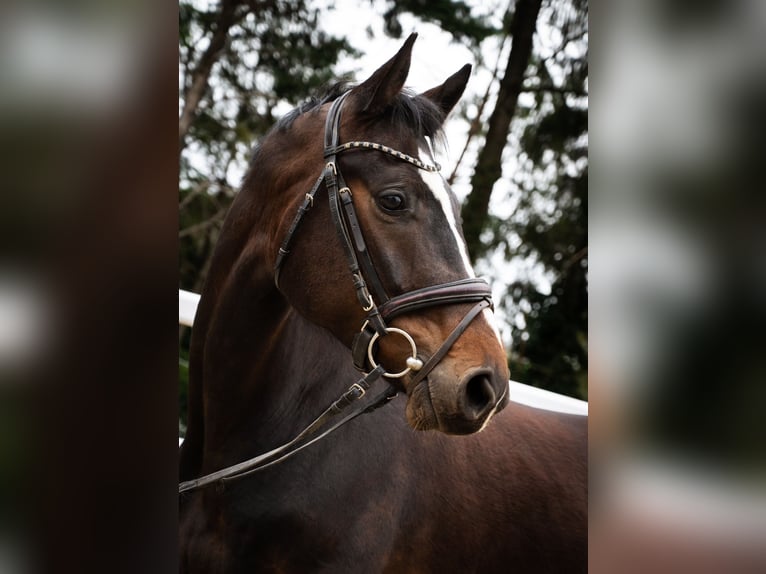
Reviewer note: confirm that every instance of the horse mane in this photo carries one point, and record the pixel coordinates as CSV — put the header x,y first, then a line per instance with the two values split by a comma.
x,y
329,93
407,111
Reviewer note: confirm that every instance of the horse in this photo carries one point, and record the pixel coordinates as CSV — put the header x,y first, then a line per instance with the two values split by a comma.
x,y
342,257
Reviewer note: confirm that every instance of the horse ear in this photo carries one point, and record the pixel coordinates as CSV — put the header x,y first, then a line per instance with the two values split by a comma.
x,y
375,93
447,94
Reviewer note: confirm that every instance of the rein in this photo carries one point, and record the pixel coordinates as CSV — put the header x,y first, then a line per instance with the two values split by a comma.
x,y
346,222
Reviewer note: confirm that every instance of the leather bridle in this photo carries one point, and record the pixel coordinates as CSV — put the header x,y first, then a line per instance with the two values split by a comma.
x,y
379,308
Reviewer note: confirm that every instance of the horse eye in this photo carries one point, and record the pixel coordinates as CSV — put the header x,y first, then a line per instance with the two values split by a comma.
x,y
391,201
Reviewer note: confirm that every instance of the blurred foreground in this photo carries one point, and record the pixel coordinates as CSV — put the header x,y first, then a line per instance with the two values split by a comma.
x,y
678,289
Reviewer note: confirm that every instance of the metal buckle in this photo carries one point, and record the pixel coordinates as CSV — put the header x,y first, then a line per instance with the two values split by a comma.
x,y
362,392
413,363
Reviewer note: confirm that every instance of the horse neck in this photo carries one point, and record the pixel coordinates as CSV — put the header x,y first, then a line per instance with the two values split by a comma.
x,y
258,371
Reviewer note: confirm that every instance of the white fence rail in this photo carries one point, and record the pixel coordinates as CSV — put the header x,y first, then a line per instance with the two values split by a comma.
x,y
520,393
187,307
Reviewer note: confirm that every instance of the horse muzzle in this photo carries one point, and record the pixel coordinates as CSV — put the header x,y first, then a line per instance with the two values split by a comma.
x,y
465,407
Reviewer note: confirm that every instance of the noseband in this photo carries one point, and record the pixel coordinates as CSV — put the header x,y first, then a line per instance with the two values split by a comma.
x,y
379,308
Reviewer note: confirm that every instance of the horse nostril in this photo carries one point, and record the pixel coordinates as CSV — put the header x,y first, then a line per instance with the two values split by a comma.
x,y
479,396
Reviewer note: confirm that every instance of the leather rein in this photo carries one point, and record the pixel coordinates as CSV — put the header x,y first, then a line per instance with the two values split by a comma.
x,y
380,309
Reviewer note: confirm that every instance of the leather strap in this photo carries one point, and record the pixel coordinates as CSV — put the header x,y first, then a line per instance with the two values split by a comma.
x,y
284,249
447,345
461,291
385,149
301,441
348,228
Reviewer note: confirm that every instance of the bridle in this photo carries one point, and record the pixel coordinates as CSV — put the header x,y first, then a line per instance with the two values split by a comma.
x,y
379,308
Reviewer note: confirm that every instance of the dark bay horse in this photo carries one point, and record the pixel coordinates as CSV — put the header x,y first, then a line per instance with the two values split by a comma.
x,y
302,289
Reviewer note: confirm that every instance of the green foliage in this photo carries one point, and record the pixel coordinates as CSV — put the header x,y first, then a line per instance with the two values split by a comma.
x,y
550,347
549,227
554,131
453,16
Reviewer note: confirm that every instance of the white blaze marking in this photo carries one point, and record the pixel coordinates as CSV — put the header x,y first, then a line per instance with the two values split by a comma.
x,y
490,318
435,182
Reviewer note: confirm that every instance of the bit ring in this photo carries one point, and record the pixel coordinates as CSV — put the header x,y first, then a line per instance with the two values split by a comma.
x,y
411,361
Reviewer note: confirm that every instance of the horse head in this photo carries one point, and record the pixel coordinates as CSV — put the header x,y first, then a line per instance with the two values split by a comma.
x,y
395,262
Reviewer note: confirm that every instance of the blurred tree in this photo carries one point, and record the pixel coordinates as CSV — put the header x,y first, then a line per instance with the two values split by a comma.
x,y
548,227
521,27
453,16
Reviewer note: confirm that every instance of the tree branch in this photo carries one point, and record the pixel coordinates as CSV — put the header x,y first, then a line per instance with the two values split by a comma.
x,y
488,165
551,89
195,191
200,75
475,126
202,225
